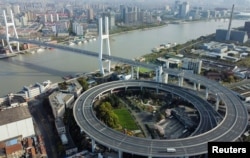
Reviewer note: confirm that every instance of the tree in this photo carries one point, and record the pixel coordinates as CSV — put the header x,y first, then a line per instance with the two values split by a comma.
x,y
105,113
82,81
112,120
231,79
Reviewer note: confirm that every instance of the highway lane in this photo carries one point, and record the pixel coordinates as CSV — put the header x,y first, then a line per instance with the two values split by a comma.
x,y
187,146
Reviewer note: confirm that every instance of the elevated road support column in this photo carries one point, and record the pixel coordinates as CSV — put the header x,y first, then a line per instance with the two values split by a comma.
x,y
207,91
195,86
180,79
120,154
93,145
137,73
165,77
158,74
217,102
167,64
132,72
198,86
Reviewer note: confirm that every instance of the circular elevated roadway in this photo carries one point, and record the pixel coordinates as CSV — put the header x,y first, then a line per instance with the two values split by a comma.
x,y
229,129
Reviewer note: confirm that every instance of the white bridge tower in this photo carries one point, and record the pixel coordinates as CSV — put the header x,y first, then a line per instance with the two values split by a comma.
x,y
104,37
7,25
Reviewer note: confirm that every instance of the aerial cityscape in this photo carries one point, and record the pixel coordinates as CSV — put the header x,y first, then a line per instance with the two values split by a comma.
x,y
124,78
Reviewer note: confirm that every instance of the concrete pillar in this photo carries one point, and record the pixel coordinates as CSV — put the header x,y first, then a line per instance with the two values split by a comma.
x,y
120,154
165,78
167,64
207,91
199,87
217,102
180,81
93,145
194,86
137,73
132,72
158,73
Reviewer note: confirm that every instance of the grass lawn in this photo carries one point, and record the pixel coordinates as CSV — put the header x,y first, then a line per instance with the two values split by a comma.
x,y
143,70
126,119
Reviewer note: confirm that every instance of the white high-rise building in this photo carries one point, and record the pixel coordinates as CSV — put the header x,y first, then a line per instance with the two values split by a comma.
x,y
77,29
24,20
16,9
8,9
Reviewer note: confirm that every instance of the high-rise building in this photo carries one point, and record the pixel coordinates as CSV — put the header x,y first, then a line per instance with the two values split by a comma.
x,y
90,14
177,5
50,18
16,9
77,29
24,20
8,9
111,17
57,17
123,11
31,16
184,10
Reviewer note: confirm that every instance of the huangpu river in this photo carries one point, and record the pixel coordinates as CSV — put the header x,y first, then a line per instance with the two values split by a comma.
x,y
25,69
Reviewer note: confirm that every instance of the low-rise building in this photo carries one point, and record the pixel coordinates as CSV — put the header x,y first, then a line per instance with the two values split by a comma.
x,y
36,89
59,101
60,127
236,36
16,122
192,64
247,27
71,86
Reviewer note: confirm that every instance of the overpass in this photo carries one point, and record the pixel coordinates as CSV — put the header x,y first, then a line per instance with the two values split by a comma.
x,y
229,129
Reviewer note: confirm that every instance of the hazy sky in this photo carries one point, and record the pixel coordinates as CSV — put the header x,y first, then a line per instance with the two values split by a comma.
x,y
221,3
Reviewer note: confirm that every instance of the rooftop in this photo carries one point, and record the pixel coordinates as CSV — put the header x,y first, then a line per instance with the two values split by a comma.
x,y
14,114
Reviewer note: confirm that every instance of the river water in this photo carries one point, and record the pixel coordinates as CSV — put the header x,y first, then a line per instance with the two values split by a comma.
x,y
27,69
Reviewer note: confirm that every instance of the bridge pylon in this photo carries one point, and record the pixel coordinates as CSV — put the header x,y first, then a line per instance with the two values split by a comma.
x,y
7,25
104,37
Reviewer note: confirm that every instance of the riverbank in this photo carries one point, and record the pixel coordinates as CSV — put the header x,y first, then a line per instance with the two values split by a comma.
x,y
136,29
3,56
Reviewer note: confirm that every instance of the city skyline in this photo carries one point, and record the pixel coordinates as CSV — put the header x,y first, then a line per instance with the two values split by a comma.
x,y
195,2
